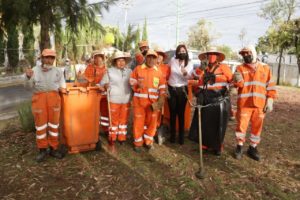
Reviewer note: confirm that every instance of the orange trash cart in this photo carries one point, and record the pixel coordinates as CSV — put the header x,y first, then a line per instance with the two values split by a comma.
x,y
80,119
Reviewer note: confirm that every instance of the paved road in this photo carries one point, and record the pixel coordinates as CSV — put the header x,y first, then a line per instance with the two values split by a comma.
x,y
10,98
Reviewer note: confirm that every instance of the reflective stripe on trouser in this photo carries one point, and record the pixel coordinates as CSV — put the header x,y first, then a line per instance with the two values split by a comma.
x,y
253,115
119,120
144,125
104,120
46,111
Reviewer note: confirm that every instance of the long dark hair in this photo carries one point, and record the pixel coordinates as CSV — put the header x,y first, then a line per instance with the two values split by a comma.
x,y
186,60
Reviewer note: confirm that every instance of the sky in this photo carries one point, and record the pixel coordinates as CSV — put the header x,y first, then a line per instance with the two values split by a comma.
x,y
228,18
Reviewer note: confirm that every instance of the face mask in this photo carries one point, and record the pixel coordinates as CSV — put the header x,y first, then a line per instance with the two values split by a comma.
x,y
212,58
182,56
248,59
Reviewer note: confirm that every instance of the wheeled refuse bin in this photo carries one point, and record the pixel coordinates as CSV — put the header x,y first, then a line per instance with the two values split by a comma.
x,y
80,118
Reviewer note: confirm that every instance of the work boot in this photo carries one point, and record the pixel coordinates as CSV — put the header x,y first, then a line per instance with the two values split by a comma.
x,y
238,152
217,152
121,142
253,153
56,153
137,149
150,147
41,156
181,138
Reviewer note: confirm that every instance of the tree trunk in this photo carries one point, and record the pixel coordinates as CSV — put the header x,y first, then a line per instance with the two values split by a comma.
x,y
298,63
279,66
45,28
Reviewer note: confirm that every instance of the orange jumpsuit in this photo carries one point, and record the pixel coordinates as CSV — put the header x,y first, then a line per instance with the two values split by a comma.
x,y
257,85
94,75
46,105
150,84
165,69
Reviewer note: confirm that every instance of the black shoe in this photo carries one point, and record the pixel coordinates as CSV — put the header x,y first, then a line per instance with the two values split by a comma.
x,y
56,154
253,153
41,156
137,149
172,140
217,152
238,152
121,142
150,147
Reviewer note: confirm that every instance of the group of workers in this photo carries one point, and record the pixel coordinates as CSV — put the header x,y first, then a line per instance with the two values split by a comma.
x,y
149,85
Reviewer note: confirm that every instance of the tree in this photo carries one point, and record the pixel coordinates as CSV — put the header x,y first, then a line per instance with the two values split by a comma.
x,y
28,43
200,36
2,47
229,54
129,38
137,38
145,32
296,34
280,13
13,46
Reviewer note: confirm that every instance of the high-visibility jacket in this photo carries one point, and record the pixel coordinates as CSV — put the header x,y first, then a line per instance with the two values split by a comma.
x,y
150,85
94,73
256,86
165,69
223,77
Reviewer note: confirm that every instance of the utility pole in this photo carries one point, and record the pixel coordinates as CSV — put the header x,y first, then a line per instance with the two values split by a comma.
x,y
125,4
177,21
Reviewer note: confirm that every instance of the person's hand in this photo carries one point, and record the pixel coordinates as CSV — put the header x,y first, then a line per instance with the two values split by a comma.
x,y
183,71
106,86
140,84
29,72
237,77
269,105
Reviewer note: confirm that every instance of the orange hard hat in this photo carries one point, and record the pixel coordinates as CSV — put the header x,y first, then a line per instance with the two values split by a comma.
x,y
151,52
143,43
48,52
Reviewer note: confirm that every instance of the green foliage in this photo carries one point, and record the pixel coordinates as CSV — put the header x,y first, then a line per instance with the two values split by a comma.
x,y
28,43
229,54
200,35
2,47
26,117
12,46
145,32
137,38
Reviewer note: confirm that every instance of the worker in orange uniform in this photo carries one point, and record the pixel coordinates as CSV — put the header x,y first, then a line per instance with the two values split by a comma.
x,y
140,56
46,103
213,85
165,69
256,91
149,88
94,73
117,81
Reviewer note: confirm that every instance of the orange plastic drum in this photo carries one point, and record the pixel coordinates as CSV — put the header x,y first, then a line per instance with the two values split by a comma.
x,y
80,118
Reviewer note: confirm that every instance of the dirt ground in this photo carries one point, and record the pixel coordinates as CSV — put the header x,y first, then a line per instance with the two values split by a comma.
x,y
167,172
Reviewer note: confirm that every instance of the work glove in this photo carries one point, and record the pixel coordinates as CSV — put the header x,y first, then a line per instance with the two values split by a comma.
x,y
237,77
159,104
269,105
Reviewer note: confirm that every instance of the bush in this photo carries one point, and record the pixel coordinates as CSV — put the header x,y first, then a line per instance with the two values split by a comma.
x,y
26,117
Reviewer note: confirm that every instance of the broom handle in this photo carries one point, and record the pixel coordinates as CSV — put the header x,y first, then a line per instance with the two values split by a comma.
x,y
200,138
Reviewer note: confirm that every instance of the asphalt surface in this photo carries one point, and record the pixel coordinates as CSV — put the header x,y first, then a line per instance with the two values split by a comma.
x,y
10,98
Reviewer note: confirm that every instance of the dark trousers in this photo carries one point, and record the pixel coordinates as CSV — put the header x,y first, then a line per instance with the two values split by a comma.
x,y
177,103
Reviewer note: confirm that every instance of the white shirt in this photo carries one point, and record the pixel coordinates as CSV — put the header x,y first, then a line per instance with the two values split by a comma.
x,y
177,79
50,80
118,79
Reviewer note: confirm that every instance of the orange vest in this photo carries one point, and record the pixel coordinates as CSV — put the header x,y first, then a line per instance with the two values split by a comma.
x,y
150,85
94,73
256,86
223,77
